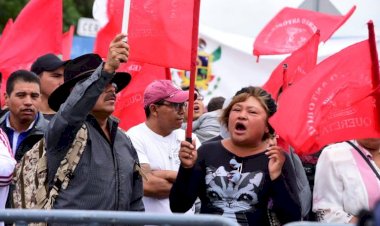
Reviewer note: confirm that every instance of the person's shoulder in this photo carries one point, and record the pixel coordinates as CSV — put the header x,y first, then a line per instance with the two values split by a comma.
x,y
3,116
41,123
211,150
213,114
181,133
135,130
337,151
217,144
3,112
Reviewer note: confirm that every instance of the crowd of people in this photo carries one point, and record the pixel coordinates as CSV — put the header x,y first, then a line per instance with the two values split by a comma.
x,y
235,166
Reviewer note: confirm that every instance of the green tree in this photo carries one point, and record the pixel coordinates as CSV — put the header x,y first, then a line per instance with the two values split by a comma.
x,y
9,9
72,11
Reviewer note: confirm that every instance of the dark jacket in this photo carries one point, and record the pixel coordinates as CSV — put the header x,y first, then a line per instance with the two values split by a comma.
x,y
105,178
34,135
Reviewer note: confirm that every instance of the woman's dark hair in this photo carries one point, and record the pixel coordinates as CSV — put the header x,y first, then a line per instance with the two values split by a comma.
x,y
261,95
215,103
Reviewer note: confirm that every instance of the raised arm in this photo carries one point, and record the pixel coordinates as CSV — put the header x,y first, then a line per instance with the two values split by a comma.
x,y
83,97
186,188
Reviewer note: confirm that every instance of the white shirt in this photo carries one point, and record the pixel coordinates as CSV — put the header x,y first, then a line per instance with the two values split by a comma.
x,y
344,184
7,165
161,153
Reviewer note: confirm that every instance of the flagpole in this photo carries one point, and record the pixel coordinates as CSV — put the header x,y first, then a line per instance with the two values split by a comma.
x,y
375,65
194,54
374,56
168,74
125,22
284,77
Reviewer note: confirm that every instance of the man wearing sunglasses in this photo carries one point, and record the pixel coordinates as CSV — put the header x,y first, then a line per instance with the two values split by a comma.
x,y
157,141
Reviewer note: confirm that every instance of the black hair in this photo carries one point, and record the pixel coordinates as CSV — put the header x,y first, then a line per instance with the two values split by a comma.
x,y
147,108
21,75
269,102
264,98
185,88
215,103
147,111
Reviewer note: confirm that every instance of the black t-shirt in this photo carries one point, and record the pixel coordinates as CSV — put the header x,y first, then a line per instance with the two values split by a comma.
x,y
235,187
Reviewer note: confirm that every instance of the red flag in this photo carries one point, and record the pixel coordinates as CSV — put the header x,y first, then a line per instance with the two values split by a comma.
x,y
5,74
36,31
111,29
291,28
161,32
301,62
67,43
333,103
129,106
7,28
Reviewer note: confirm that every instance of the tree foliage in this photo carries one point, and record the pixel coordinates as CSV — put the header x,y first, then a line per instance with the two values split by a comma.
x,y
72,11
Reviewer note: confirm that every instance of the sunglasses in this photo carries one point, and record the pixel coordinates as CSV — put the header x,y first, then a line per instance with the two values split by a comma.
x,y
176,106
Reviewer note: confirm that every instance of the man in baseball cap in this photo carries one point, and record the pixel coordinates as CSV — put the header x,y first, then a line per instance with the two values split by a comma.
x,y
157,141
50,70
164,90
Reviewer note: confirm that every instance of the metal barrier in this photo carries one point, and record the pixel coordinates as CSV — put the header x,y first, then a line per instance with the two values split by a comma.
x,y
310,223
93,217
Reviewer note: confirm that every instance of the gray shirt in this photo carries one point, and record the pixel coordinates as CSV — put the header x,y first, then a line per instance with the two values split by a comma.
x,y
206,126
105,178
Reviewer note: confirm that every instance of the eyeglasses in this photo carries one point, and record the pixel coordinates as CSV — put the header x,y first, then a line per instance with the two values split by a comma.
x,y
200,97
176,106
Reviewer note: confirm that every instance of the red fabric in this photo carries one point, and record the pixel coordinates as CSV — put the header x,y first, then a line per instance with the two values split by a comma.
x,y
161,32
129,105
7,28
36,31
5,74
111,29
282,143
291,28
332,103
67,43
301,62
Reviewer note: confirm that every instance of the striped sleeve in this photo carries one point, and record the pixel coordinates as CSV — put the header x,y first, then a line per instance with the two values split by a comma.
x,y
7,161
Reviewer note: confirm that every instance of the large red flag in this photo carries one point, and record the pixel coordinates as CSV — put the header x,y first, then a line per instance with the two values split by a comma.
x,y
129,106
161,32
298,64
333,103
4,74
7,28
111,29
291,28
67,43
36,31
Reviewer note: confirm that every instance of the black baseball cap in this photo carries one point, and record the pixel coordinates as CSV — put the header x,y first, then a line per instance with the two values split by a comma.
x,y
47,62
